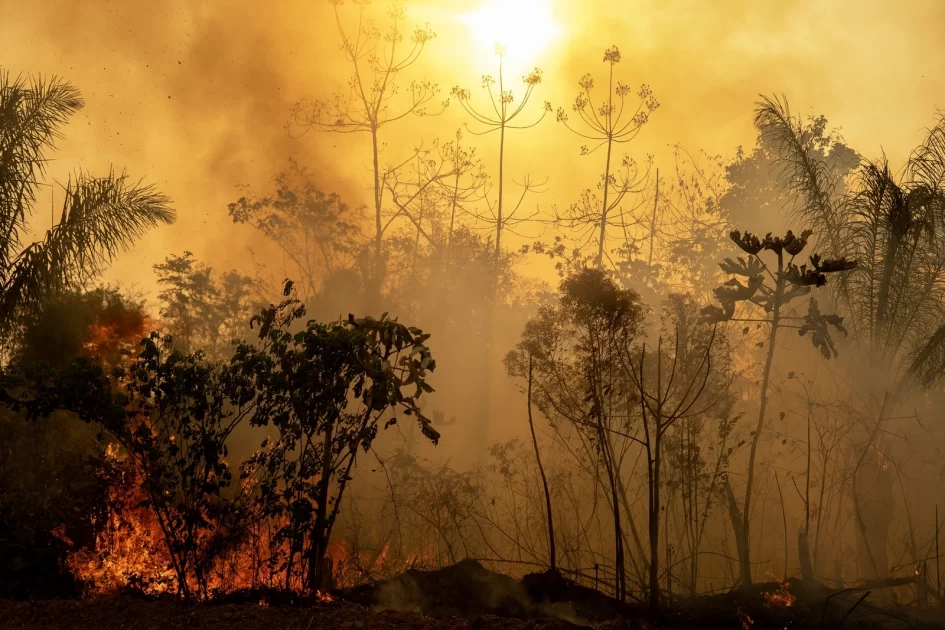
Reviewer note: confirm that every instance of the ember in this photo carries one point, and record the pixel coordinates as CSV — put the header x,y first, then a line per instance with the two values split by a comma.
x,y
780,597
746,621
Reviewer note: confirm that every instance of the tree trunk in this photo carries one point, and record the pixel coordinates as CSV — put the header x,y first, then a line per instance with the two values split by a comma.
x,y
744,562
318,543
746,512
803,552
604,211
656,199
654,598
552,564
377,279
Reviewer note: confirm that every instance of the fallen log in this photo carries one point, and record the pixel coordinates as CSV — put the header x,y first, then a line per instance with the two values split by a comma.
x,y
887,582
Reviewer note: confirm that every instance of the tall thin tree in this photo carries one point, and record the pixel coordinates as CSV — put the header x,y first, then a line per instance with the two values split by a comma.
x,y
368,105
503,118
606,125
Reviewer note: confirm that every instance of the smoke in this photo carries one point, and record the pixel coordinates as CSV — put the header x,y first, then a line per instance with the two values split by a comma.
x,y
194,96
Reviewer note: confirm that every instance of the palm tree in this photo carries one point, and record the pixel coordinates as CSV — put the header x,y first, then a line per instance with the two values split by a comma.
x,y
101,216
893,226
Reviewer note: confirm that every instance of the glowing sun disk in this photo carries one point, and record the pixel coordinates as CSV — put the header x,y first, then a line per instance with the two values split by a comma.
x,y
524,28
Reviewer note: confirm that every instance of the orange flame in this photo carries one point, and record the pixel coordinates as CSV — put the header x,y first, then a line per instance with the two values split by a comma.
x,y
780,597
746,621
130,552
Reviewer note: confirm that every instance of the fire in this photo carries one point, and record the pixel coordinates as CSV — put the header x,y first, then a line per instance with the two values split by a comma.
x,y
746,621
129,550
115,330
780,597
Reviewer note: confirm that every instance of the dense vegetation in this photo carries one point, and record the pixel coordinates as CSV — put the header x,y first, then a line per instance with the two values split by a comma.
x,y
249,435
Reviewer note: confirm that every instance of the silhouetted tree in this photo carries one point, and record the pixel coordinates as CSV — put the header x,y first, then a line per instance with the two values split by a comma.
x,y
607,123
200,311
790,282
577,353
368,105
319,233
678,383
516,363
503,117
327,390
891,225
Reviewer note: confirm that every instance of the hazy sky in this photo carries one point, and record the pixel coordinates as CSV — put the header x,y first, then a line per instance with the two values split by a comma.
x,y
193,95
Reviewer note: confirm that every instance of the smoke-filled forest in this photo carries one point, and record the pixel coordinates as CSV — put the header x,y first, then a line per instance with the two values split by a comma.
x,y
493,314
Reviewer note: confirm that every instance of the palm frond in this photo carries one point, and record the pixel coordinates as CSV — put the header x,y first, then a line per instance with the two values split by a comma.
x,y
31,113
807,179
101,217
926,166
928,363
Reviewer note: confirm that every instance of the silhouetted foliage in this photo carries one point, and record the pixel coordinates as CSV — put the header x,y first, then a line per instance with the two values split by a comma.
x,y
326,390
316,231
200,311
790,282
100,217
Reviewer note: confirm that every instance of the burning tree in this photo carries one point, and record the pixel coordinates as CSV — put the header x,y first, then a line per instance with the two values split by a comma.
x,y
790,282
326,390
172,414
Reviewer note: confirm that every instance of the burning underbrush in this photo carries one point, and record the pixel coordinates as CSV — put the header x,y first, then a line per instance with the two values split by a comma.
x,y
131,552
245,568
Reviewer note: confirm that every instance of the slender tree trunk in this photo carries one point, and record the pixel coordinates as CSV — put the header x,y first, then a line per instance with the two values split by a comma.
x,y
499,217
374,291
416,241
490,324
744,561
857,511
777,481
656,199
654,598
454,204
772,340
604,211
938,570
803,539
620,570
319,543
544,480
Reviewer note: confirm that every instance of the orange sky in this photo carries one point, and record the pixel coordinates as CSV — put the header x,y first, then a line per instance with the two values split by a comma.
x,y
194,95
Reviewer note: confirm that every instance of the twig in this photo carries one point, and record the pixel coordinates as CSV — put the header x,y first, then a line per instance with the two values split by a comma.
x,y
849,612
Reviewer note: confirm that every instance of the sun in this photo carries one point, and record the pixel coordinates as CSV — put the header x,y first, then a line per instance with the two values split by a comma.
x,y
524,28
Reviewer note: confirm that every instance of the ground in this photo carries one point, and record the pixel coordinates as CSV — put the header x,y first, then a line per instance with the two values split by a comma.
x,y
468,596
